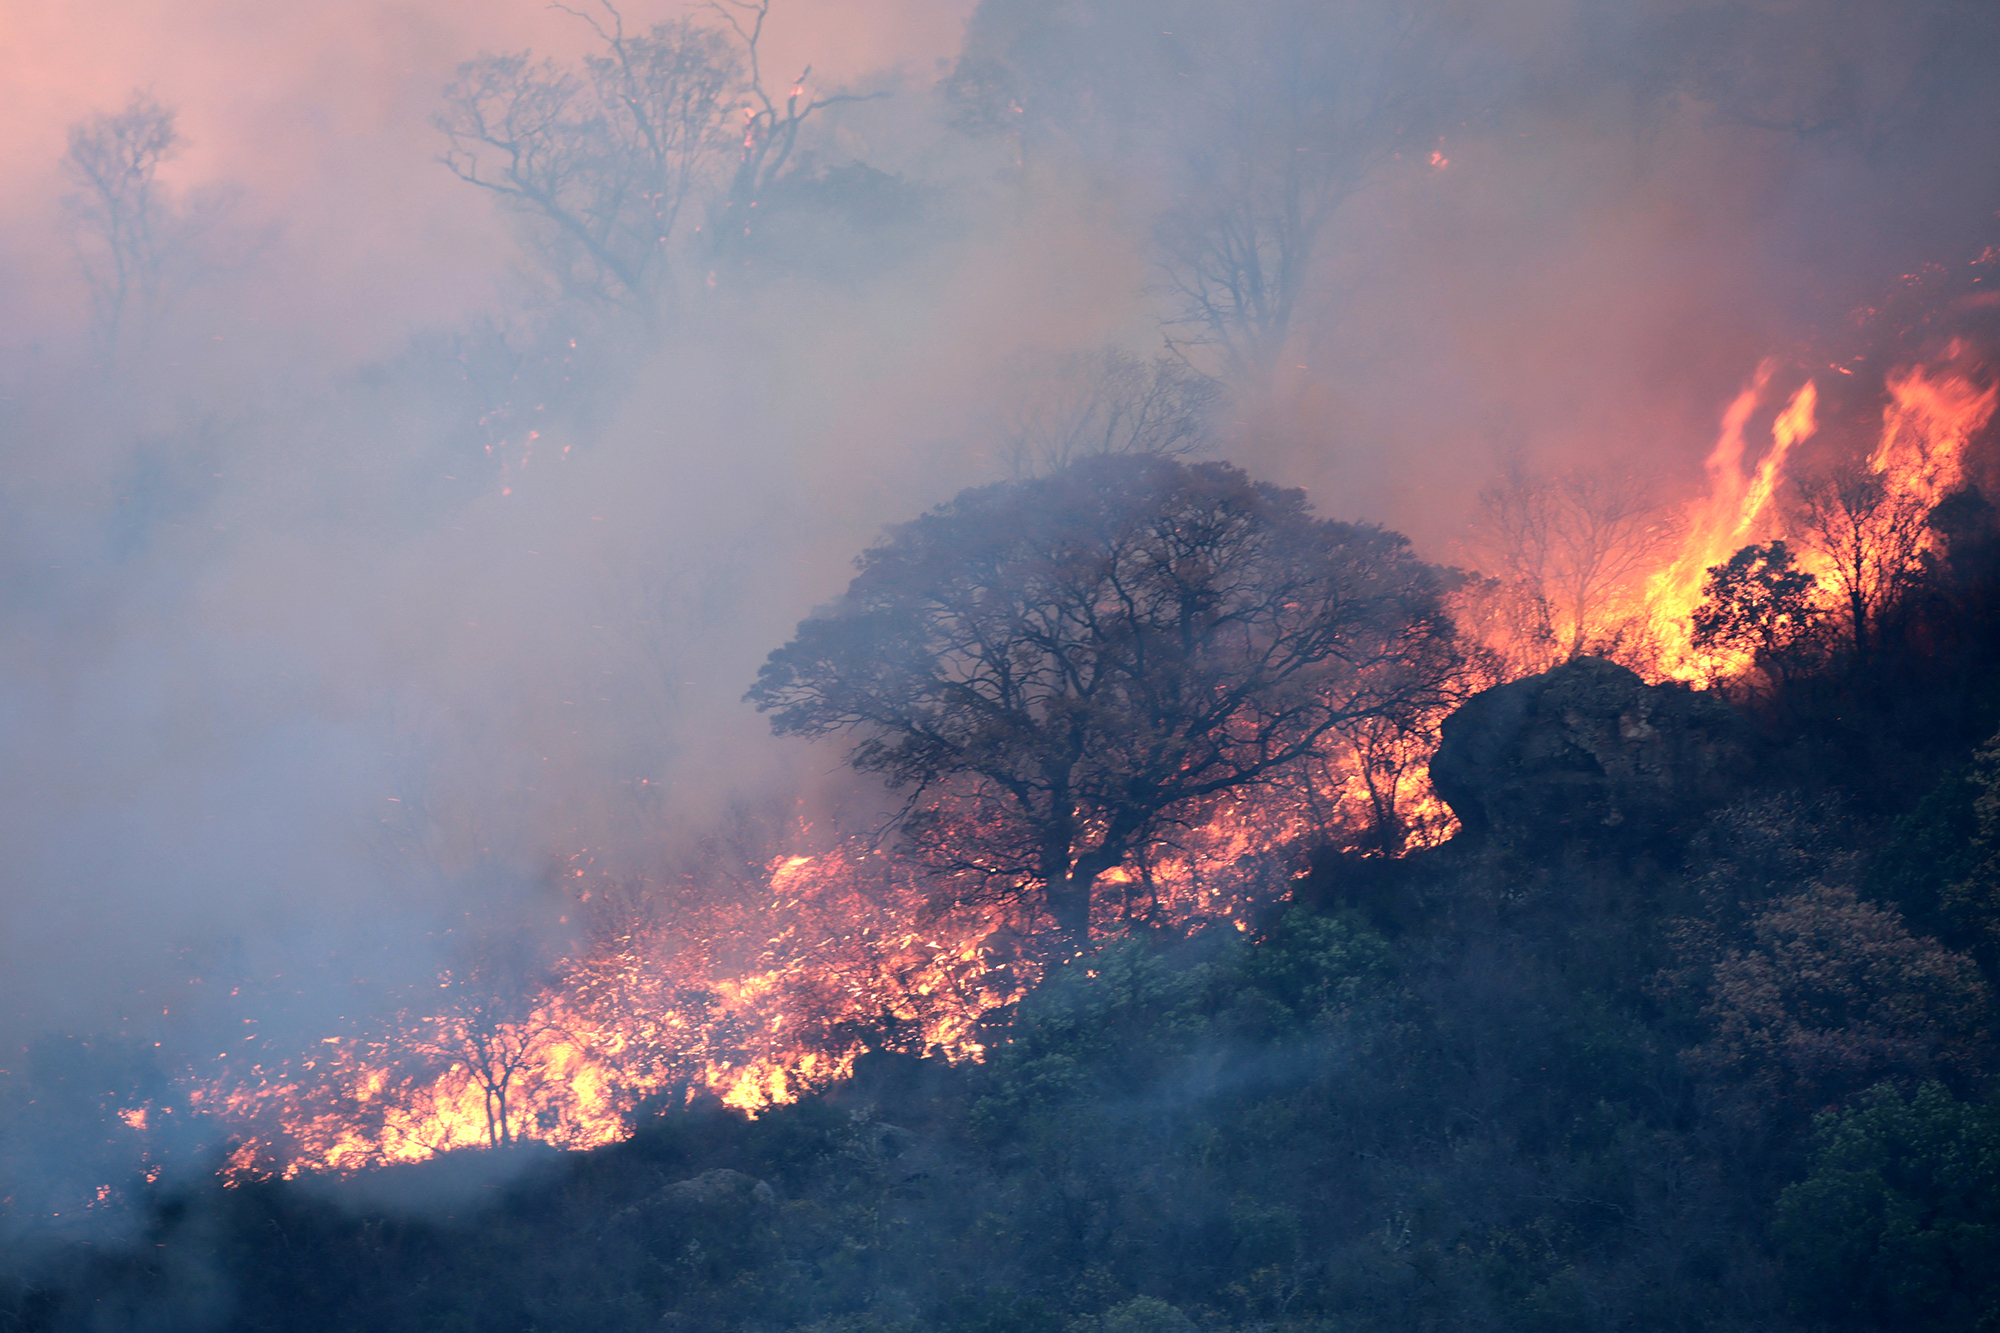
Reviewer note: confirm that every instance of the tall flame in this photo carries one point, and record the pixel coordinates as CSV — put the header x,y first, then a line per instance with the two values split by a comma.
x,y
756,1000
1931,416
1926,425
1735,511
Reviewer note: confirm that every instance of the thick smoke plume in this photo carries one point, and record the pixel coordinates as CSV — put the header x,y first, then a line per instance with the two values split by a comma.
x,y
379,580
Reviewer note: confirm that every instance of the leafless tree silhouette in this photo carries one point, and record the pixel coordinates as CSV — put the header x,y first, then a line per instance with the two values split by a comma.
x,y
1870,534
1568,549
495,1024
1291,106
129,231
601,161
770,127
1089,404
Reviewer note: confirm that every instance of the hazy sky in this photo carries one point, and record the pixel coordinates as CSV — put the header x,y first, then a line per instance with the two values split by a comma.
x,y
322,113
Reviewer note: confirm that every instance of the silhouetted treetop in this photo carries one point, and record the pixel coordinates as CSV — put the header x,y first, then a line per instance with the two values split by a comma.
x,y
1054,667
1760,604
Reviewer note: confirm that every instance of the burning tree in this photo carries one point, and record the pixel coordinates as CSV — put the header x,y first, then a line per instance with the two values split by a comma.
x,y
1870,536
495,1026
770,129
1569,550
1058,669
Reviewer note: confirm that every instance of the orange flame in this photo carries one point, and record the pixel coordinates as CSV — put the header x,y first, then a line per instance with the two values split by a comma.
x,y
851,945
1925,428
758,1002
1735,512
1930,418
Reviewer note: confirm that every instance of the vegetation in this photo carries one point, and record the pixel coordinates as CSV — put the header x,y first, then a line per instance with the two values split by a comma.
x,y
1759,606
1898,1220
1740,1079
1053,668
1732,1073
1536,1109
1736,1071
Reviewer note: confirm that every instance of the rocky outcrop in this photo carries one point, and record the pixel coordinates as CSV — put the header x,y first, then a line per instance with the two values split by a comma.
x,y
712,1194
1588,750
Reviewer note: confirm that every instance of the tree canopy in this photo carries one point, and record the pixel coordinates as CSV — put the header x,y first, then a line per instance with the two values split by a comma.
x,y
1759,604
1055,668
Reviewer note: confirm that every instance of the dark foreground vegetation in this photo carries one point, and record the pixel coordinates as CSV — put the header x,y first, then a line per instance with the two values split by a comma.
x,y
1690,1030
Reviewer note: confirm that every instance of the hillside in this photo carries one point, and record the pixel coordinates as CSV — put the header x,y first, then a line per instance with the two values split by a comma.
x,y
1665,1040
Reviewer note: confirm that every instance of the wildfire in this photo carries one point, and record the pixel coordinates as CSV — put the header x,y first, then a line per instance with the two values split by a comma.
x,y
1925,427
1736,510
1932,413
756,996
840,952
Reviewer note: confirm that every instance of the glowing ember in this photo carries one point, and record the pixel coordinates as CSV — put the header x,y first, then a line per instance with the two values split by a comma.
x,y
841,952
756,997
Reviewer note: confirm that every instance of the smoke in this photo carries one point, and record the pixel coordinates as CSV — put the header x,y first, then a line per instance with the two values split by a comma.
x,y
343,617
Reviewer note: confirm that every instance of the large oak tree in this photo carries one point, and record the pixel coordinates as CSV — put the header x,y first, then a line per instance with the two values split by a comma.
x,y
1055,668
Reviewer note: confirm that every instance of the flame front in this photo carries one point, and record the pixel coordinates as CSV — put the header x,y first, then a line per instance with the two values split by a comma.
x,y
1931,415
1930,418
757,999
841,952
1736,511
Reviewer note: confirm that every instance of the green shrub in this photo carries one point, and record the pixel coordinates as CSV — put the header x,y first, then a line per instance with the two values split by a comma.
x,y
1898,1220
1146,1314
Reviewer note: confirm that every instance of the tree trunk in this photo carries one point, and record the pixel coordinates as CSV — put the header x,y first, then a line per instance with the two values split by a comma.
x,y
1069,903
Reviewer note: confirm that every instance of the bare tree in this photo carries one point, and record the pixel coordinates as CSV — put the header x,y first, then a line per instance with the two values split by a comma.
x,y
1261,118
1293,104
599,162
770,128
125,224
496,1024
1569,549
1871,537
1390,758
1090,404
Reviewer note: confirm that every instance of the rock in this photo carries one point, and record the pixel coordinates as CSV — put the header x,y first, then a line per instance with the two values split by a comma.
x,y
883,1142
721,1191
1588,749
1146,1314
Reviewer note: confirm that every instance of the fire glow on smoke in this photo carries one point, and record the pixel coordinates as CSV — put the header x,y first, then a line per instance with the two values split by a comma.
x,y
756,998
752,1003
